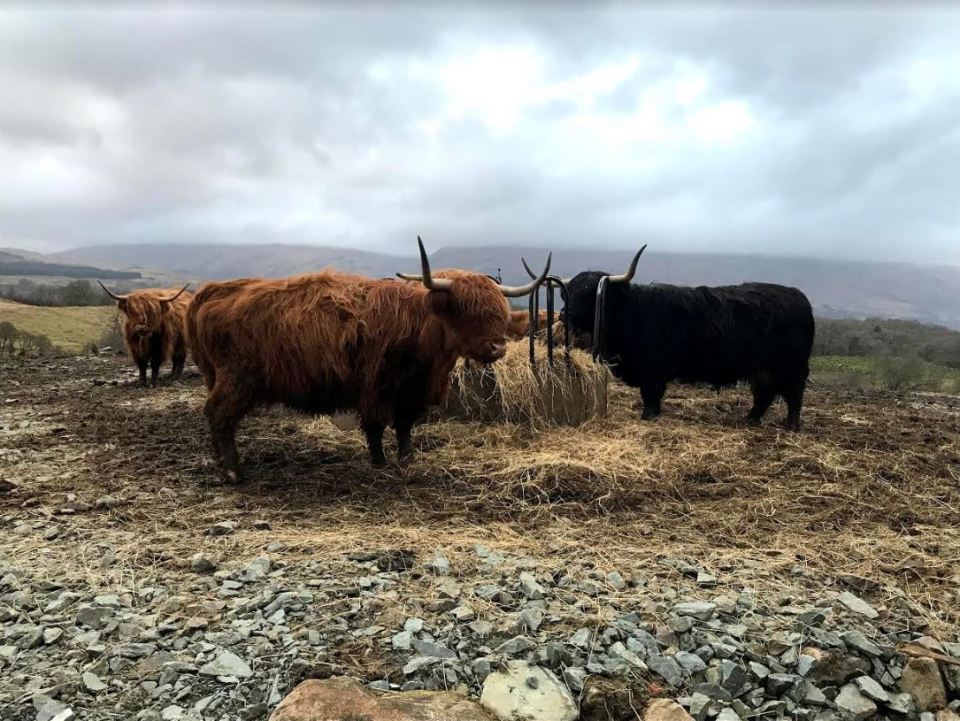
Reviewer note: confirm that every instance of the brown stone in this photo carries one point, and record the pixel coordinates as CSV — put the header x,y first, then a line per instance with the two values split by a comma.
x,y
344,699
662,709
946,714
921,679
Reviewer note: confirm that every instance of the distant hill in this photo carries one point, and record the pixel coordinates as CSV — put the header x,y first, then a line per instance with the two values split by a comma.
x,y
38,268
837,289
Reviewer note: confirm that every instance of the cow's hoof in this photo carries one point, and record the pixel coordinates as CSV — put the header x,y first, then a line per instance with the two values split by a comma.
x,y
649,416
233,478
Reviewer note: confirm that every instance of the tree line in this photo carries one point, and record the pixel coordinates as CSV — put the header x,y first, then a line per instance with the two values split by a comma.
x,y
76,292
15,342
888,338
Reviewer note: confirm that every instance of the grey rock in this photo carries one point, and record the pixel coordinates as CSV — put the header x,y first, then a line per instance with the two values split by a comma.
x,y
517,644
689,662
224,528
93,617
582,639
92,682
487,591
48,708
413,625
575,677
464,613
531,618
434,650
417,663
439,564
857,605
619,651
901,703
871,689
530,587
258,569
667,669
402,641
813,696
616,581
481,628
381,685
854,706
227,664
700,610
777,684
759,670
706,579
728,714
51,635
510,697
856,640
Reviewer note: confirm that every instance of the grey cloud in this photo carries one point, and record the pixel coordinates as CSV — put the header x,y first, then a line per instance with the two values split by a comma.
x,y
347,126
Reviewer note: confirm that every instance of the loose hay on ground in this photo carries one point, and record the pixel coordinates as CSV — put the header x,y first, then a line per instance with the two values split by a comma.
x,y
879,498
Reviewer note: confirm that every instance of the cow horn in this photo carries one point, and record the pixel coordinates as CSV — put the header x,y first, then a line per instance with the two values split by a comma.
x,y
175,295
118,298
533,275
628,276
515,291
428,280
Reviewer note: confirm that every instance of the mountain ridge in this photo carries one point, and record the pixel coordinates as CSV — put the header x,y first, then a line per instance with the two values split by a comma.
x,y
837,289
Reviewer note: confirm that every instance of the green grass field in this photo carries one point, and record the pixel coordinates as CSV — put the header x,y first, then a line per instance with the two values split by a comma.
x,y
70,328
884,372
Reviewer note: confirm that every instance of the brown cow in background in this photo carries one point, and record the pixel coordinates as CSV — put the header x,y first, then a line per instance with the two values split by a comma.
x,y
153,328
520,324
327,342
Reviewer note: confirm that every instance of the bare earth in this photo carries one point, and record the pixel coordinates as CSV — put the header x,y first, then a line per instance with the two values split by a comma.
x,y
869,488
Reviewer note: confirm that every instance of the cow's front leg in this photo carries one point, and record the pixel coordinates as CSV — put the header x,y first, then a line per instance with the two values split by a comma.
x,y
142,366
374,433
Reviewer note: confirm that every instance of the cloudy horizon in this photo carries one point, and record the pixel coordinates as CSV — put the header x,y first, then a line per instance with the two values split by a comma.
x,y
813,130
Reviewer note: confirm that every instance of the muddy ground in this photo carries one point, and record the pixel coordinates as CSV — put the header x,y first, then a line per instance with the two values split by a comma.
x,y
107,488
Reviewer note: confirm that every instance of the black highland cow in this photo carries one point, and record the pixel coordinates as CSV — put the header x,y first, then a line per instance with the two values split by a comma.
x,y
655,334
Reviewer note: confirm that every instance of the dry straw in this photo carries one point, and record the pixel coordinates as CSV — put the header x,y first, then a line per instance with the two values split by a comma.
x,y
541,394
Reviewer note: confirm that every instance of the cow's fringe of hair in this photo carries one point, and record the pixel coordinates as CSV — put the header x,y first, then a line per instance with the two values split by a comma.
x,y
143,307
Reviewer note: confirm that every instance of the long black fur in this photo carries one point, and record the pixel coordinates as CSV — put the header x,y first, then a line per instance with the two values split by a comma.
x,y
756,332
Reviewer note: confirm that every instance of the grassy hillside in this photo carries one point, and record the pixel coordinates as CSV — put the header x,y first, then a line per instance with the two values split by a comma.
x,y
883,372
70,327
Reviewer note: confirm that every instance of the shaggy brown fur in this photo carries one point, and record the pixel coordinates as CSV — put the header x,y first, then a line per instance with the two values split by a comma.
x,y
520,324
154,330
328,341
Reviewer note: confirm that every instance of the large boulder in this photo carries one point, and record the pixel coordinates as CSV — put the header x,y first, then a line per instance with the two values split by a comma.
x,y
345,699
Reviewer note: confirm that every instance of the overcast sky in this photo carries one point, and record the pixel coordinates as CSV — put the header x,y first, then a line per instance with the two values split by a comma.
x,y
830,131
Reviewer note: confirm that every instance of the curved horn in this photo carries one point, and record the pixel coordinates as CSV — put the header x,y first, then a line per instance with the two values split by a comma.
x,y
175,295
628,276
409,276
515,291
427,279
533,275
118,298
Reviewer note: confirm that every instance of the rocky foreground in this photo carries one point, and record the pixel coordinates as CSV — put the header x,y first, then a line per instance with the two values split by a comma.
x,y
224,642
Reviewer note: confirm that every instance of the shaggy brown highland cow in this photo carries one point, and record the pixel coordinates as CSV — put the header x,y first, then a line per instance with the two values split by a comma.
x,y
327,342
153,328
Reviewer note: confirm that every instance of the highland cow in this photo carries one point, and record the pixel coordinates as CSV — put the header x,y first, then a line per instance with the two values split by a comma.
x,y
756,332
328,342
153,328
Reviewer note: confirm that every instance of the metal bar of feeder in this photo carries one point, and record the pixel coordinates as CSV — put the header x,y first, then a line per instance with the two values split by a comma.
x,y
530,329
550,289
599,324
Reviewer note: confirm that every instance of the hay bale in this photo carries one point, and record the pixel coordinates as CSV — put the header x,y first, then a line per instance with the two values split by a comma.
x,y
513,391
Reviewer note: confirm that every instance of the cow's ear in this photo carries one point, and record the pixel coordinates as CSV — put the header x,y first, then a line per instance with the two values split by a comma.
x,y
122,305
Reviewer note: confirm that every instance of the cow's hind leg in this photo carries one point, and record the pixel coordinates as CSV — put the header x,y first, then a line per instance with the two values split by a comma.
x,y
792,392
764,393
179,358
155,362
226,405
374,433
403,426
652,394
